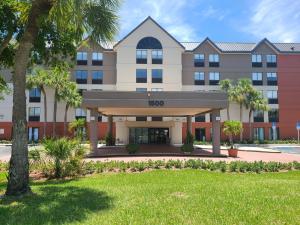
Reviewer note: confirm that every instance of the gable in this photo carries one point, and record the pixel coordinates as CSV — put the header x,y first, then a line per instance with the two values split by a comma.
x,y
149,28
265,47
207,46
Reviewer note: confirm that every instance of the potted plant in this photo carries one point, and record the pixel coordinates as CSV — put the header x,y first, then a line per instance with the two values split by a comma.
x,y
230,128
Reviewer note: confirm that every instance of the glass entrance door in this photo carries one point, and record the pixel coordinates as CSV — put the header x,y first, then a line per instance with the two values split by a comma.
x,y
139,135
158,135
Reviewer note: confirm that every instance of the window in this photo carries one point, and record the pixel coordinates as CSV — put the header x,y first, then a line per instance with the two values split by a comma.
x,y
34,114
271,61
259,133
199,60
157,76
157,118
99,117
35,95
97,59
214,78
80,113
256,61
149,43
156,89
274,133
272,97
257,79
141,76
273,115
258,116
81,58
199,78
157,56
200,118
141,56
141,118
272,79
97,77
141,89
81,76
214,60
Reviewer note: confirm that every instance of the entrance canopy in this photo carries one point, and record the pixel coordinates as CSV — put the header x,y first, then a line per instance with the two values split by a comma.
x,y
130,103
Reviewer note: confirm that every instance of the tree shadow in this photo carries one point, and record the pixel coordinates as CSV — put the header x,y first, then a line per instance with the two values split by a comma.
x,y
54,205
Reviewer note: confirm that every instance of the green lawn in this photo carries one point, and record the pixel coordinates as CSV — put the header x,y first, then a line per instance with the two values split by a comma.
x,y
160,197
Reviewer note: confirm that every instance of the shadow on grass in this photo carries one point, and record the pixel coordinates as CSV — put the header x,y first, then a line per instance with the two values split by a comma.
x,y
54,205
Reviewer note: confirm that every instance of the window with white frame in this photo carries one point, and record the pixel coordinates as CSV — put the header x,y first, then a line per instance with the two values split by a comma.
x,y
80,113
214,78
214,60
199,78
271,60
141,56
257,79
157,56
34,113
198,60
81,58
272,78
256,60
97,59
272,97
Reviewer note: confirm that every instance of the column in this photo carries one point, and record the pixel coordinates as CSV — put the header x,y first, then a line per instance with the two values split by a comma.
x,y
93,134
188,124
216,129
110,124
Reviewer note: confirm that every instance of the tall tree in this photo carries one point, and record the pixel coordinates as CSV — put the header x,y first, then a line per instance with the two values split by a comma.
x,y
254,101
72,98
239,93
40,79
70,20
227,86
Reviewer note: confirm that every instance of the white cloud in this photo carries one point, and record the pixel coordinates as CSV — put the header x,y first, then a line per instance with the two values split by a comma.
x,y
276,20
170,14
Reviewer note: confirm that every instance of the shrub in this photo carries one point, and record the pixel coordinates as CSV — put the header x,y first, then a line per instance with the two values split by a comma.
x,y
187,148
189,138
132,148
110,140
66,156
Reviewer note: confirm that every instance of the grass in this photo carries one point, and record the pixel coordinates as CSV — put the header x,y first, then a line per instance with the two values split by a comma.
x,y
159,197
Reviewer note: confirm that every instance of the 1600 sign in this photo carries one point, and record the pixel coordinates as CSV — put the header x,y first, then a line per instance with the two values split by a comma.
x,y
156,103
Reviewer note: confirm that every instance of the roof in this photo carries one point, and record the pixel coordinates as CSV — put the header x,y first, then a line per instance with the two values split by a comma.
x,y
224,47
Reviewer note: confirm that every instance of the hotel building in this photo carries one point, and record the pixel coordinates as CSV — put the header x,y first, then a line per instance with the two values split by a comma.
x,y
151,88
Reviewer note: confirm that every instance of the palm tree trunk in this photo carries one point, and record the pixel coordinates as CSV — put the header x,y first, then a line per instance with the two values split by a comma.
x,y
65,118
241,119
250,126
18,177
45,109
228,114
54,113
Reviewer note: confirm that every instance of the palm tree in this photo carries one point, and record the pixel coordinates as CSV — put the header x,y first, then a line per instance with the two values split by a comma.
x,y
40,79
72,98
254,101
239,93
96,18
226,85
77,126
59,80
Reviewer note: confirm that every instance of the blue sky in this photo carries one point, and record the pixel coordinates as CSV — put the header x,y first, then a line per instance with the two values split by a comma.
x,y
220,20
